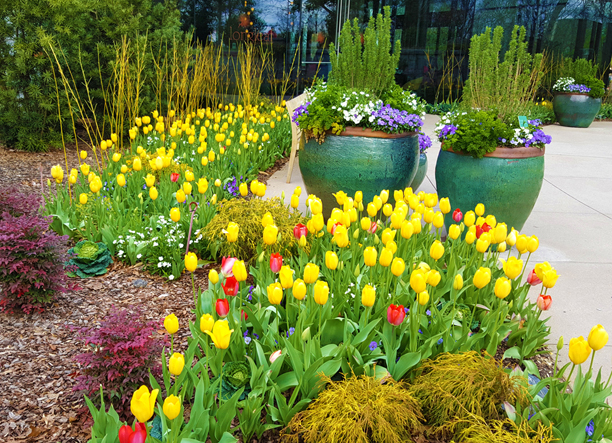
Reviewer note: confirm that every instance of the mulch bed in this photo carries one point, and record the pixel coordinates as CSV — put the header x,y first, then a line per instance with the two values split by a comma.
x,y
36,352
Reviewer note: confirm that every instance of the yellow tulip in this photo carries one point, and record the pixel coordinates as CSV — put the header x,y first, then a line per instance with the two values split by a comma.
x,y
398,266
299,289
598,337
521,243
501,247
384,196
221,334
433,278
533,244
470,237
239,270
454,231
206,322
500,233
341,236
445,206
275,293
437,250
171,324
244,190
187,188
579,350
213,276
136,164
387,209
387,235
83,198
176,364
331,260
172,407
482,244
480,209
121,180
191,262
416,225
261,189
407,229
428,215
430,200
550,278
231,232
502,287
358,196
482,277
85,169
142,404
423,298
153,193
149,180
311,271
267,219
512,267
202,185
83,155
270,234
418,280
175,214
371,208
438,220
180,196
286,277
321,292
469,218
385,257
458,282
511,238
368,296
370,256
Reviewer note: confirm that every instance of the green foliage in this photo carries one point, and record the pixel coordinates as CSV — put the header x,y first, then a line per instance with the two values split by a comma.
x,y
91,259
247,214
478,133
370,66
583,71
503,431
502,86
605,112
441,108
453,388
357,410
30,87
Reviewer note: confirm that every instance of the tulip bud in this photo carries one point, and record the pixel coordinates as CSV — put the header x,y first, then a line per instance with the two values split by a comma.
x,y
560,343
306,334
458,282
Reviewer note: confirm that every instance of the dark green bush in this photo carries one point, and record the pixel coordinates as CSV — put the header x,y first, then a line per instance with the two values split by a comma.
x,y
85,30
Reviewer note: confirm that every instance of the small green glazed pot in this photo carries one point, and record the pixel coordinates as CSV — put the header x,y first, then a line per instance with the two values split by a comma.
x,y
358,160
575,110
507,181
421,172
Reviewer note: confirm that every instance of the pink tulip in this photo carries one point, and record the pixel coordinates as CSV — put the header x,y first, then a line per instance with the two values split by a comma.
x,y
227,263
533,279
544,302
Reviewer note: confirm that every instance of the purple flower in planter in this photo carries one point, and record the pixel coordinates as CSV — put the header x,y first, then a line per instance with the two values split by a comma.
x,y
424,143
446,131
578,88
299,111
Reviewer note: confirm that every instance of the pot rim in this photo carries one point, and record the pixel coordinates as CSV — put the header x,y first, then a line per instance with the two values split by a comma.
x,y
586,94
505,152
357,131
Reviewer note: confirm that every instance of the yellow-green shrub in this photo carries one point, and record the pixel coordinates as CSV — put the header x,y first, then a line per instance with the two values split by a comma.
x,y
503,431
452,388
248,214
357,410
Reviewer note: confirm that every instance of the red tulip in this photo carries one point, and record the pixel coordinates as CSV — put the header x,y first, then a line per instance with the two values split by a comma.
x,y
300,231
457,215
174,176
544,302
276,262
227,264
396,314
244,315
480,229
333,231
373,227
128,435
533,279
230,286
222,307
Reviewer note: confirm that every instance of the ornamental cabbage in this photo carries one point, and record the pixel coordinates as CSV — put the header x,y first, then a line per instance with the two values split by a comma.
x,y
91,259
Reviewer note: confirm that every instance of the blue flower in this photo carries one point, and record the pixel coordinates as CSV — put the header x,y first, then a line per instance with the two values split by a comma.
x,y
440,341
590,429
373,345
247,340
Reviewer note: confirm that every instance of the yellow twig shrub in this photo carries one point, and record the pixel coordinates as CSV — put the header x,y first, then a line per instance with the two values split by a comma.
x,y
452,388
503,431
357,410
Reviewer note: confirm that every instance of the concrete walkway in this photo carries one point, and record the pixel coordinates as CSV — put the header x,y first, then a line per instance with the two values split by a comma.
x,y
573,220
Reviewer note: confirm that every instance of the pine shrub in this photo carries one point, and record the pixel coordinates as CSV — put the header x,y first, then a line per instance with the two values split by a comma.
x,y
453,388
248,214
31,255
121,352
357,410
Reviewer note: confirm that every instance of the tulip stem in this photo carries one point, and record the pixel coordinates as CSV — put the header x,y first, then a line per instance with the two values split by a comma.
x,y
568,378
556,360
591,365
195,299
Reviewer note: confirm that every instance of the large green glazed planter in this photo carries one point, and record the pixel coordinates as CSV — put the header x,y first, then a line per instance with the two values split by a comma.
x,y
507,181
358,160
421,172
575,110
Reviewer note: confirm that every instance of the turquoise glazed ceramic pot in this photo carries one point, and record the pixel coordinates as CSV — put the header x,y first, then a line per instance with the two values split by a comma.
x,y
575,110
358,160
507,181
420,174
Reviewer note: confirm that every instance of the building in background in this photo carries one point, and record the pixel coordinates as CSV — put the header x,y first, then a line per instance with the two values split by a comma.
x,y
434,34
